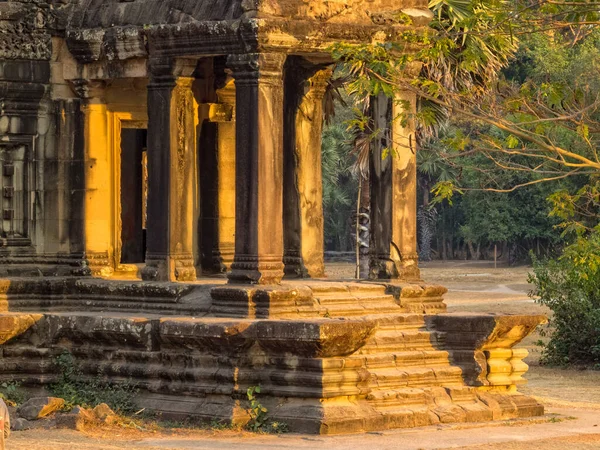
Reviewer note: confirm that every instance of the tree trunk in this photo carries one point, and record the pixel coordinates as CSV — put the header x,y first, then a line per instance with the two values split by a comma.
x,y
471,249
426,192
364,228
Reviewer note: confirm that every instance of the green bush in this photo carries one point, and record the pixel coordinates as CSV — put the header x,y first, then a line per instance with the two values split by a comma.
x,y
12,394
76,389
570,287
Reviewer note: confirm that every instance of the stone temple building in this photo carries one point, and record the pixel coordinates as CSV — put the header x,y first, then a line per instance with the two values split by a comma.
x,y
171,140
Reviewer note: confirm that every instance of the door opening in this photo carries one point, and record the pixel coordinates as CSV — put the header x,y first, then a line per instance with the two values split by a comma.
x,y
133,195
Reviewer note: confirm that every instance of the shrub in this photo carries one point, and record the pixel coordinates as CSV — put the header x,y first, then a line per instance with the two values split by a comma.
x,y
570,287
12,394
76,389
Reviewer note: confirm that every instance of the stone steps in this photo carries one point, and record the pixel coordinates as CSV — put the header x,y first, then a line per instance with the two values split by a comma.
x,y
392,340
356,302
354,299
75,305
95,295
424,358
391,378
422,396
341,306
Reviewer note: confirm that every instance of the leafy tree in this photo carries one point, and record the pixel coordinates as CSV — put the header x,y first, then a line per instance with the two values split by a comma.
x,y
549,121
339,187
570,287
520,126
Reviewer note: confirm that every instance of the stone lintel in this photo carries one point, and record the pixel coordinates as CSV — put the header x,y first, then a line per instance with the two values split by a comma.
x,y
207,38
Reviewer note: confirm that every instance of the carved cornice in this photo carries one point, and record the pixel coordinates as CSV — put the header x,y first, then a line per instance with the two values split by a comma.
x,y
252,68
161,74
319,81
165,71
89,89
23,31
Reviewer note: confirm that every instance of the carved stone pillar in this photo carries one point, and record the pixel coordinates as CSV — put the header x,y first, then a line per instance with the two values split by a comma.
x,y
393,185
97,210
171,174
404,182
214,90
223,255
259,168
381,265
303,184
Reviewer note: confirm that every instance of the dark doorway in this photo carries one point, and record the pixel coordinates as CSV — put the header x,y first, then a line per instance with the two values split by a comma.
x,y
133,223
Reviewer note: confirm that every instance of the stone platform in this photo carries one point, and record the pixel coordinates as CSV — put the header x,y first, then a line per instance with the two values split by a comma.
x,y
330,357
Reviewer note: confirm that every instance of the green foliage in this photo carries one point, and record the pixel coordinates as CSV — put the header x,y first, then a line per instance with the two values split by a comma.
x,y
518,219
570,287
259,420
12,393
507,99
76,389
577,211
258,413
340,185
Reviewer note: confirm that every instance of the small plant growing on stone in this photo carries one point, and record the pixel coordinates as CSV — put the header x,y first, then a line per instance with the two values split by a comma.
x,y
276,427
258,413
259,421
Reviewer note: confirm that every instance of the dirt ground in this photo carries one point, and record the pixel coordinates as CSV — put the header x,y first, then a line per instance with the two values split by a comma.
x,y
478,287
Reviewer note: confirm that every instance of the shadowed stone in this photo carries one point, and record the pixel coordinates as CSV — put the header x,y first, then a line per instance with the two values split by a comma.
x,y
77,419
39,407
20,424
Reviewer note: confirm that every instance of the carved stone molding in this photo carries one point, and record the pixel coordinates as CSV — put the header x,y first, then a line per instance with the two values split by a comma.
x,y
250,68
23,33
88,89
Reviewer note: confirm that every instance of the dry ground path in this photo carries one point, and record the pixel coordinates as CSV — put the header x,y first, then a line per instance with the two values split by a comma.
x,y
572,396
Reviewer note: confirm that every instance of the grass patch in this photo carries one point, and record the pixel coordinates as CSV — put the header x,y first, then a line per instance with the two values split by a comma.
x,y
76,389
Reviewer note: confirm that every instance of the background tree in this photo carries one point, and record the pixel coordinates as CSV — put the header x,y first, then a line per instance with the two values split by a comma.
x,y
510,128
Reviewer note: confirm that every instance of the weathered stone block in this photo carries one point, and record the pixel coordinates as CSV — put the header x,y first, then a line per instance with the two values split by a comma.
x,y
450,414
103,413
39,407
19,424
77,419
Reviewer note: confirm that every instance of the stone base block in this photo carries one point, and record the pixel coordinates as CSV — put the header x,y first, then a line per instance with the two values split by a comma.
x,y
317,374
326,299
170,268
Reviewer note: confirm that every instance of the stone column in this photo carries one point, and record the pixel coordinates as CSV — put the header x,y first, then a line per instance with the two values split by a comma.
x,y
171,173
382,264
259,168
224,254
98,209
404,182
214,90
393,172
303,184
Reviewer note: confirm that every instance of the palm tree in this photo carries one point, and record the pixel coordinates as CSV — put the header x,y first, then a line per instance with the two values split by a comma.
x,y
432,169
339,187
